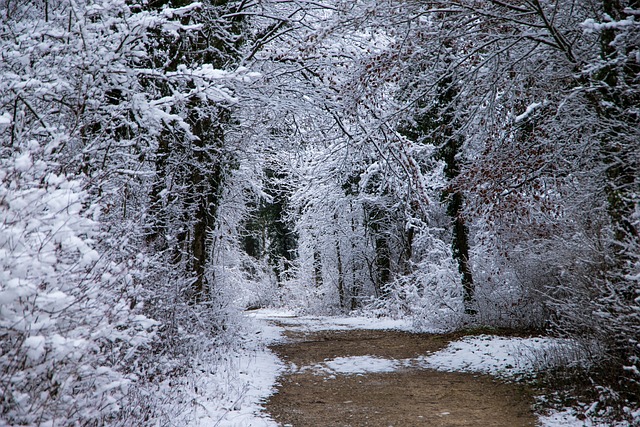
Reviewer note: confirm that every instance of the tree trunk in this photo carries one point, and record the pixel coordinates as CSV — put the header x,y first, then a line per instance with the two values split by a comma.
x,y
383,264
206,180
341,295
356,285
317,268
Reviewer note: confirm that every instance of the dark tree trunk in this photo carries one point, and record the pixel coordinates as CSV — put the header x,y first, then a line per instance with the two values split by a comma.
x,y
206,181
460,231
356,285
317,268
158,227
383,264
340,277
376,219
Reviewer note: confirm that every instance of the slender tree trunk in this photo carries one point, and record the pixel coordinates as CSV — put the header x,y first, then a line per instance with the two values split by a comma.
x,y
382,261
158,226
460,231
207,177
199,252
383,264
407,252
317,268
460,244
356,285
340,276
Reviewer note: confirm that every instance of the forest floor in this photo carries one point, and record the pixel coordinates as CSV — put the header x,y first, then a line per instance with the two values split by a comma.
x,y
340,378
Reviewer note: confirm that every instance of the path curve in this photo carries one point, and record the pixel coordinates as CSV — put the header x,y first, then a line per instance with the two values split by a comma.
x,y
410,396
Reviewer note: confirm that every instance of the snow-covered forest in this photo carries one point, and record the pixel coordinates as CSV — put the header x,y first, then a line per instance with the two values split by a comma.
x,y
166,165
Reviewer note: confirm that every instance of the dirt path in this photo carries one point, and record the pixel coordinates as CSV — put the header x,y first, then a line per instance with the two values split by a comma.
x,y
403,398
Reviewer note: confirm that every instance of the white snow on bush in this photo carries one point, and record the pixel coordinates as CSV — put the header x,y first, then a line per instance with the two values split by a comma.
x,y
5,119
68,339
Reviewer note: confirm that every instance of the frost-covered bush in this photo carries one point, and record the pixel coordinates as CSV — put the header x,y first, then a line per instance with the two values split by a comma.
x,y
430,299
431,296
67,336
504,296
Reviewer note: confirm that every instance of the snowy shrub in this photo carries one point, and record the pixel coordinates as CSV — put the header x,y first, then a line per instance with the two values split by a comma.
x,y
431,296
424,299
66,332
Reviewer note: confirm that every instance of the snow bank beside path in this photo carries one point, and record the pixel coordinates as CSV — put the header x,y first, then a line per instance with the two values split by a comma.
x,y
505,357
234,393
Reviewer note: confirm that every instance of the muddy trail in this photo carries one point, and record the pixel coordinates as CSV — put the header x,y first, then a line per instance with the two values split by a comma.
x,y
410,396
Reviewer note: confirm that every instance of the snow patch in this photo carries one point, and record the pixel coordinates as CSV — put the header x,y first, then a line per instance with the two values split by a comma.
x,y
270,314
308,324
356,365
567,418
499,356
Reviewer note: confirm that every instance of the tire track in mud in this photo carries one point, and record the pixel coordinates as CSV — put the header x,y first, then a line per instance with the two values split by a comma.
x,y
407,397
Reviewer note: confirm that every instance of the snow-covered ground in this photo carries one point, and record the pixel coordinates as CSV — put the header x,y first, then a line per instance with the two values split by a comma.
x,y
235,393
499,356
322,323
